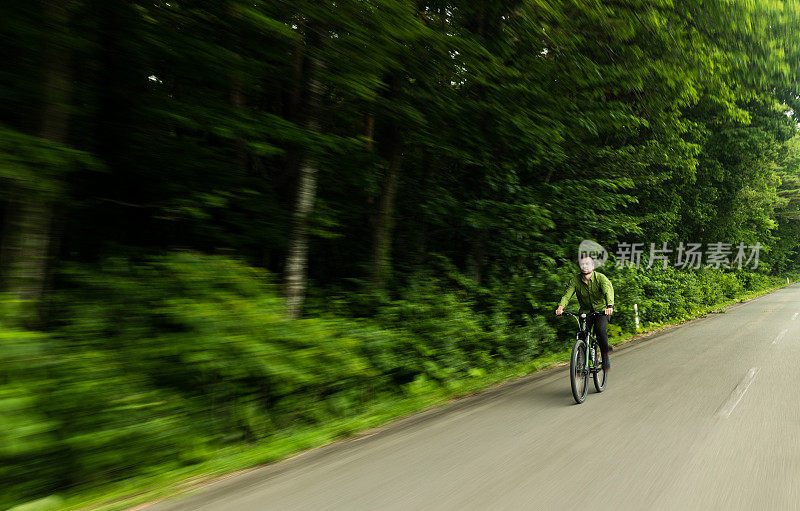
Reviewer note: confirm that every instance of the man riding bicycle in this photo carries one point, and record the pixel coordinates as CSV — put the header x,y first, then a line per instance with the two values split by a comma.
x,y
595,292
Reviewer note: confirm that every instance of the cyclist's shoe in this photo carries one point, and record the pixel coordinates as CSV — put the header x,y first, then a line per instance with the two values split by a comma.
x,y
610,348
606,363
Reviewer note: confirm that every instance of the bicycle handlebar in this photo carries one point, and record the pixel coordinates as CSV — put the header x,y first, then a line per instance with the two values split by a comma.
x,y
565,313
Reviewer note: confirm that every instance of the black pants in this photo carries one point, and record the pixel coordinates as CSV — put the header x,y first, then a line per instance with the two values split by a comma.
x,y
600,323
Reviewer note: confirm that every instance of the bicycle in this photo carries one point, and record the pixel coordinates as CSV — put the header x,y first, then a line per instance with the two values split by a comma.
x,y
581,365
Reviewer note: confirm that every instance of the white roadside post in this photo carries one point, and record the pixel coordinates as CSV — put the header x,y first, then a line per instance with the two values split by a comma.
x,y
636,315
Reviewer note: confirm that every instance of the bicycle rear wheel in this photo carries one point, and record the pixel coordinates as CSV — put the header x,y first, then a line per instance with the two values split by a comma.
x,y
578,375
600,377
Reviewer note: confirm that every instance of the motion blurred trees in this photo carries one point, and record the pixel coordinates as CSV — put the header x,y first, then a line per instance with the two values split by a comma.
x,y
363,142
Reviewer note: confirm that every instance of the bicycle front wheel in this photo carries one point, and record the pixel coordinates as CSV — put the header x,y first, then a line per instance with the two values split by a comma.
x,y
579,376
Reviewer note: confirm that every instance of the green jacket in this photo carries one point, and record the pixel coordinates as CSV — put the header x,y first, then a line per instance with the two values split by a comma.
x,y
593,296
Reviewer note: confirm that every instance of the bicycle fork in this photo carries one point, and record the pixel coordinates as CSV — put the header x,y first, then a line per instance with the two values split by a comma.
x,y
589,357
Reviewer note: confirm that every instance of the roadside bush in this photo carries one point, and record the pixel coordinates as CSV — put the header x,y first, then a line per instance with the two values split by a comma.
x,y
669,294
151,366
75,416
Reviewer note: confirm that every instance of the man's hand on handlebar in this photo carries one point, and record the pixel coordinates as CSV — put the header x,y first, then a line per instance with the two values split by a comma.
x,y
559,310
608,311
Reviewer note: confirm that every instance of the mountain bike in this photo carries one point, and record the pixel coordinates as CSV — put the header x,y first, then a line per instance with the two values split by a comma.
x,y
586,358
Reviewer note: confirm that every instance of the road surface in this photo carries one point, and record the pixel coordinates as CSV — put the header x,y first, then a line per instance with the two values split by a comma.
x,y
703,416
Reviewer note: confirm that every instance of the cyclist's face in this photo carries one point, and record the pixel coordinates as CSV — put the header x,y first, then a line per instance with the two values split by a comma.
x,y
587,265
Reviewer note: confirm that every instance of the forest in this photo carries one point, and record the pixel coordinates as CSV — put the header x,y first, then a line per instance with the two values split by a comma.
x,y
231,230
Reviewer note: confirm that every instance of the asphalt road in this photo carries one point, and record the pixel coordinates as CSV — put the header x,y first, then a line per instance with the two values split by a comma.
x,y
703,416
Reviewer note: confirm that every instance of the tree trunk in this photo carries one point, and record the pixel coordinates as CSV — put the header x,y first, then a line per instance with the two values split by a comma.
x,y
383,221
284,179
30,240
297,257
295,92
28,226
391,148
421,245
369,130
479,254
237,102
236,96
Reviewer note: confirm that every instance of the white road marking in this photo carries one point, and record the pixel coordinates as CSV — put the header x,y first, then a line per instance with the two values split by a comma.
x,y
795,315
737,394
780,336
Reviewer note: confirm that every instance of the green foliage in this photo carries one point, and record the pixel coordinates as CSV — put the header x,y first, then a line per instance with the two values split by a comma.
x,y
36,165
156,364
669,294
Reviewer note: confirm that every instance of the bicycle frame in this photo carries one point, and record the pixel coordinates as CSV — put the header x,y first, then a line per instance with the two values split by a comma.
x,y
586,333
